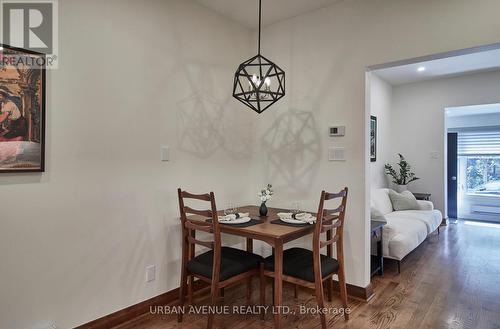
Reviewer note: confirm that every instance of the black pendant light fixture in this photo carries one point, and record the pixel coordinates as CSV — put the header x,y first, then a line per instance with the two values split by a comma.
x,y
258,82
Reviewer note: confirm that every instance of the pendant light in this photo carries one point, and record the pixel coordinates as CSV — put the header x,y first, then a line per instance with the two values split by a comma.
x,y
258,82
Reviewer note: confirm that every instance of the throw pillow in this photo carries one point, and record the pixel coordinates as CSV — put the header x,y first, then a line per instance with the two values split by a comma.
x,y
403,201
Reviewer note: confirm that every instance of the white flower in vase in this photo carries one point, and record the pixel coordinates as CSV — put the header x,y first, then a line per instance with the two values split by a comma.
x,y
266,194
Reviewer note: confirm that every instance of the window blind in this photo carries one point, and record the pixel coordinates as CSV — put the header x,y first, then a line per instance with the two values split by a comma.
x,y
479,143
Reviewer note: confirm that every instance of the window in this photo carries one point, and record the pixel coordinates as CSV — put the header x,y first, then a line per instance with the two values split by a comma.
x,y
483,175
481,153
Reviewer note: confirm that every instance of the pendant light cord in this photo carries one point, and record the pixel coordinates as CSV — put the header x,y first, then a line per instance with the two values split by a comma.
x,y
260,20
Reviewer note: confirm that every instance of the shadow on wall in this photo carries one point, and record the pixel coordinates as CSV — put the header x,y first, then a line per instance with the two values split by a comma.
x,y
205,126
208,119
293,148
200,125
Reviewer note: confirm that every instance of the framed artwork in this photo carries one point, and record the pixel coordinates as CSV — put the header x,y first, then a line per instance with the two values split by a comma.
x,y
22,110
373,138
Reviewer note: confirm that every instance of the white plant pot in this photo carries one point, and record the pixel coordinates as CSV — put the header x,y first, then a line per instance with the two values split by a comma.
x,y
401,188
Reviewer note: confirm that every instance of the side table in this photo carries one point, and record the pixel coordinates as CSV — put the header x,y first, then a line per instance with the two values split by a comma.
x,y
377,256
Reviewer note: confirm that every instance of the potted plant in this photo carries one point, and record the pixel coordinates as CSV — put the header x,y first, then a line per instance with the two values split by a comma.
x,y
404,176
265,194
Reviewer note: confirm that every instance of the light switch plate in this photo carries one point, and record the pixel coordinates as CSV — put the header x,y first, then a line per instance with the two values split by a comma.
x,y
336,154
434,155
164,153
150,273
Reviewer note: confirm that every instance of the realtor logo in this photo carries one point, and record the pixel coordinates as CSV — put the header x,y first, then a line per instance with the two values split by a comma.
x,y
30,24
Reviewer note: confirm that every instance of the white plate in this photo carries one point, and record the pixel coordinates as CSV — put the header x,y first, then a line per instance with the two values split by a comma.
x,y
240,220
292,221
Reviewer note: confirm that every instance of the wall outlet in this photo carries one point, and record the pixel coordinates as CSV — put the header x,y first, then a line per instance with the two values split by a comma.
x,y
150,273
434,155
165,153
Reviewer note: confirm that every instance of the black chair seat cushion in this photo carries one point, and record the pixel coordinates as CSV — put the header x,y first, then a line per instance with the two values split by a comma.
x,y
298,262
233,262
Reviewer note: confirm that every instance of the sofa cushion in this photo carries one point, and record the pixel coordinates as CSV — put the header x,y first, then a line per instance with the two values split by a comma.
x,y
401,235
425,205
431,218
403,201
380,200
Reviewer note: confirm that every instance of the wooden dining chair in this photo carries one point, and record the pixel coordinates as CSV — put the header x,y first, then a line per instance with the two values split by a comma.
x,y
311,269
220,266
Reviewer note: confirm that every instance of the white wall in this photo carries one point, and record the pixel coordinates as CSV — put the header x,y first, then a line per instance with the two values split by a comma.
x,y
419,123
325,54
381,107
134,75
75,241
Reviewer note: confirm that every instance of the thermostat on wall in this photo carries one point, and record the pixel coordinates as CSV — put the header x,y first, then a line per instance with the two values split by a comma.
x,y
337,131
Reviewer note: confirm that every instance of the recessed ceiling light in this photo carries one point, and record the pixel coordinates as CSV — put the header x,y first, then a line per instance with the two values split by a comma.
x,y
421,69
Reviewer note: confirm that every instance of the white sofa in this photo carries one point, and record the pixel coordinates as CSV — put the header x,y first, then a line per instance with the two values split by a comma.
x,y
405,230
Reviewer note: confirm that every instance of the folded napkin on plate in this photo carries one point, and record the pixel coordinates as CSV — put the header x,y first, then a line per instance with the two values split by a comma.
x,y
303,217
231,217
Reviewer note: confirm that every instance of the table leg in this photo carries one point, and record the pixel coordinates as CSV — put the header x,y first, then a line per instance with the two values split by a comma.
x,y
272,284
380,253
249,281
278,282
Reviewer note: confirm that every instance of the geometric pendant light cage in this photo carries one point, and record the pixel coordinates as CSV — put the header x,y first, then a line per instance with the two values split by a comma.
x,y
258,82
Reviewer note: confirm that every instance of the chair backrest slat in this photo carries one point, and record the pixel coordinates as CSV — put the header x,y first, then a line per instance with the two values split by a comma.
x,y
323,244
204,213
208,244
206,227
327,227
202,197
341,194
330,212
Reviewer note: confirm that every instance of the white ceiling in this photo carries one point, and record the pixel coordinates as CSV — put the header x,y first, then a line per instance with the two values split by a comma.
x,y
246,12
472,110
439,68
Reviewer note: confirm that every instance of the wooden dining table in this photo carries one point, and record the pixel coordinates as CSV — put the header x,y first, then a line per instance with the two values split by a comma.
x,y
276,236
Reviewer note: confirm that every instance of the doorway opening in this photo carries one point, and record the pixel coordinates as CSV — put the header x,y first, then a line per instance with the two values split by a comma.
x,y
473,153
408,99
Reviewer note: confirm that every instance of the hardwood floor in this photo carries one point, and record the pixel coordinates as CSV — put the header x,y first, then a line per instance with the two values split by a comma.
x,y
450,281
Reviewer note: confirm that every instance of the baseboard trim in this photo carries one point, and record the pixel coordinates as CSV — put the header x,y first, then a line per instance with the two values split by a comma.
x,y
131,312
356,292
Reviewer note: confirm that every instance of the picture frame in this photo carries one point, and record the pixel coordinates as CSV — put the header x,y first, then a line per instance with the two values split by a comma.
x,y
22,110
373,138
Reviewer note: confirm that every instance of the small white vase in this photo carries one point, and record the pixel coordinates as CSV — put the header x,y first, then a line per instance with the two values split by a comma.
x,y
401,188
